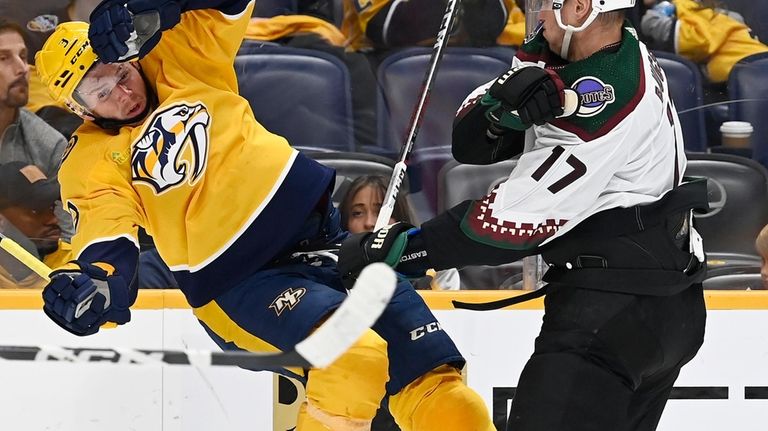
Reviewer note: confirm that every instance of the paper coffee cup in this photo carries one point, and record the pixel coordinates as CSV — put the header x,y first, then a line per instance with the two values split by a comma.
x,y
736,134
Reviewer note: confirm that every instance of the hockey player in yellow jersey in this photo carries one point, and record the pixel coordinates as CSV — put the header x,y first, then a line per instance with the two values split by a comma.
x,y
242,219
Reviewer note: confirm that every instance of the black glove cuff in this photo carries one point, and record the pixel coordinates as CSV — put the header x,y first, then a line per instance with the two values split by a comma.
x,y
415,260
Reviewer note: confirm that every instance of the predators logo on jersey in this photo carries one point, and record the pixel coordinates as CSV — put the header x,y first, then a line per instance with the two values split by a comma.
x,y
158,156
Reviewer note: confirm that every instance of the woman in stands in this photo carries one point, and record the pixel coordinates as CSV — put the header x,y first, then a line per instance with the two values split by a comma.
x,y
360,208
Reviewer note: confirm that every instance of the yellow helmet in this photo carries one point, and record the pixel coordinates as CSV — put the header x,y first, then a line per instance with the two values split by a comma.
x,y
64,60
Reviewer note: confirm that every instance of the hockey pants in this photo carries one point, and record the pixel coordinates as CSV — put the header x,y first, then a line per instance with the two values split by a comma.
x,y
606,361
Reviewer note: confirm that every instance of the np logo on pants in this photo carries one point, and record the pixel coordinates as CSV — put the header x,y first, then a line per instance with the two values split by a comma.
x,y
288,299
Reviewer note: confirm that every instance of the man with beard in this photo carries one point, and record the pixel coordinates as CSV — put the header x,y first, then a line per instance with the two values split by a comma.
x,y
25,137
27,201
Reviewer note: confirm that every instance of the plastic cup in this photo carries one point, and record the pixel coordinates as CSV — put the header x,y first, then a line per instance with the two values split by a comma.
x,y
736,134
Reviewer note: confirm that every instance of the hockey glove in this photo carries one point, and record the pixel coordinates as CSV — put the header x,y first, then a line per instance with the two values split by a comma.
x,y
81,297
536,94
397,245
123,30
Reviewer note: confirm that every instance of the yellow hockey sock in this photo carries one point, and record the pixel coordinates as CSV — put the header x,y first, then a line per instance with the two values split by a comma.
x,y
440,401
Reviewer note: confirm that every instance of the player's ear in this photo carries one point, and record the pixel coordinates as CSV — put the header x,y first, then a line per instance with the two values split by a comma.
x,y
582,8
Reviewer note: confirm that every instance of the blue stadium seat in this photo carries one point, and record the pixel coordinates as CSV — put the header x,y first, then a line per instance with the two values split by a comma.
x,y
738,200
349,166
401,76
748,84
458,182
755,14
301,94
685,87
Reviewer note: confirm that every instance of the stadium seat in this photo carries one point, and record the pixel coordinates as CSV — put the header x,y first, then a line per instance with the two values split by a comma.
x,y
738,196
734,282
301,94
349,166
755,14
685,87
747,83
458,182
401,76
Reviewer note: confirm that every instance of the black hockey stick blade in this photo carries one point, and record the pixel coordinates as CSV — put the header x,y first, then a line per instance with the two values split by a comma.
x,y
365,303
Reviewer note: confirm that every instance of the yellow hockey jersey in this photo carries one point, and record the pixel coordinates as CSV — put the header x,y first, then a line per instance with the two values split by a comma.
x,y
706,36
219,193
281,26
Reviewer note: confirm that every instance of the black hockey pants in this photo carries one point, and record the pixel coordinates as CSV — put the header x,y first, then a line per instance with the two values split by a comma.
x,y
606,361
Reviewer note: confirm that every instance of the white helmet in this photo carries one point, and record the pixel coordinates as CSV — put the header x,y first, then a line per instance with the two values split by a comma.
x,y
533,7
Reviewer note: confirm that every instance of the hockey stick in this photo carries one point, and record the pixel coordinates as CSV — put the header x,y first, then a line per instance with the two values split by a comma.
x,y
398,172
25,257
365,303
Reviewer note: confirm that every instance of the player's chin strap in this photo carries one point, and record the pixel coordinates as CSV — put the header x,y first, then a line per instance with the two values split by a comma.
x,y
569,30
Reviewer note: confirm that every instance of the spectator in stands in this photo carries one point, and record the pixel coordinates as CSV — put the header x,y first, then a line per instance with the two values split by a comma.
x,y
27,202
384,24
37,19
702,32
761,245
24,136
360,208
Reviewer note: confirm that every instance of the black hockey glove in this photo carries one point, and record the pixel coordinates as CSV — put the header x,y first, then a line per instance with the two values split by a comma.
x,y
536,94
121,30
81,297
397,245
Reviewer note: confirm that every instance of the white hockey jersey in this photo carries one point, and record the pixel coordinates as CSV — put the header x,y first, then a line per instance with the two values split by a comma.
x,y
623,147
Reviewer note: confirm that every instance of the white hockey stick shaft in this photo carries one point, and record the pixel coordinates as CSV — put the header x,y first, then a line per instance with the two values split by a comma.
x,y
388,206
366,301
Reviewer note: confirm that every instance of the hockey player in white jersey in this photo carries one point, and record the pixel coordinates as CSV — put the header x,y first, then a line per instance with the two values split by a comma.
x,y
598,191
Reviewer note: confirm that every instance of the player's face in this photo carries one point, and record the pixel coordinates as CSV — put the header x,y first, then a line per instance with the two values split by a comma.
x,y
552,32
364,209
14,70
41,226
115,91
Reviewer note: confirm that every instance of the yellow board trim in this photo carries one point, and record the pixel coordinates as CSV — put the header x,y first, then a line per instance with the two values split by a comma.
x,y
30,299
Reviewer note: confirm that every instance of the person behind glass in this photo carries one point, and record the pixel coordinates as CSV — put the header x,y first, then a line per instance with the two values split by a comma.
x,y
38,19
360,208
385,24
702,32
23,135
598,191
240,217
27,201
